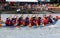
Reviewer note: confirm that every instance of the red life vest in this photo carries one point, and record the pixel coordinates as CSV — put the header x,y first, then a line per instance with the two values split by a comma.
x,y
45,21
6,22
30,22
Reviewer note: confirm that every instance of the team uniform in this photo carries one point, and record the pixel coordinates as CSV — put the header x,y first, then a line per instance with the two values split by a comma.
x,y
30,22
44,21
20,21
13,21
23,22
50,21
7,22
27,21
39,20
34,21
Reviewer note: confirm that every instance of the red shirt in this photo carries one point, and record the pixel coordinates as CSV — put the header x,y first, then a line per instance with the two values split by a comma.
x,y
7,22
45,21
31,21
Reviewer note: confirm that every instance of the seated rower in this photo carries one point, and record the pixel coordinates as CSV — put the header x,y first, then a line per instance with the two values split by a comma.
x,y
1,22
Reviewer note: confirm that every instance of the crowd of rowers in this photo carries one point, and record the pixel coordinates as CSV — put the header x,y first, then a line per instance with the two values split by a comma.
x,y
31,21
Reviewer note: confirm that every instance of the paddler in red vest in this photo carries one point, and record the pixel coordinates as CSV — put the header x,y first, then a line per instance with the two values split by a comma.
x,y
31,21
44,21
37,21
